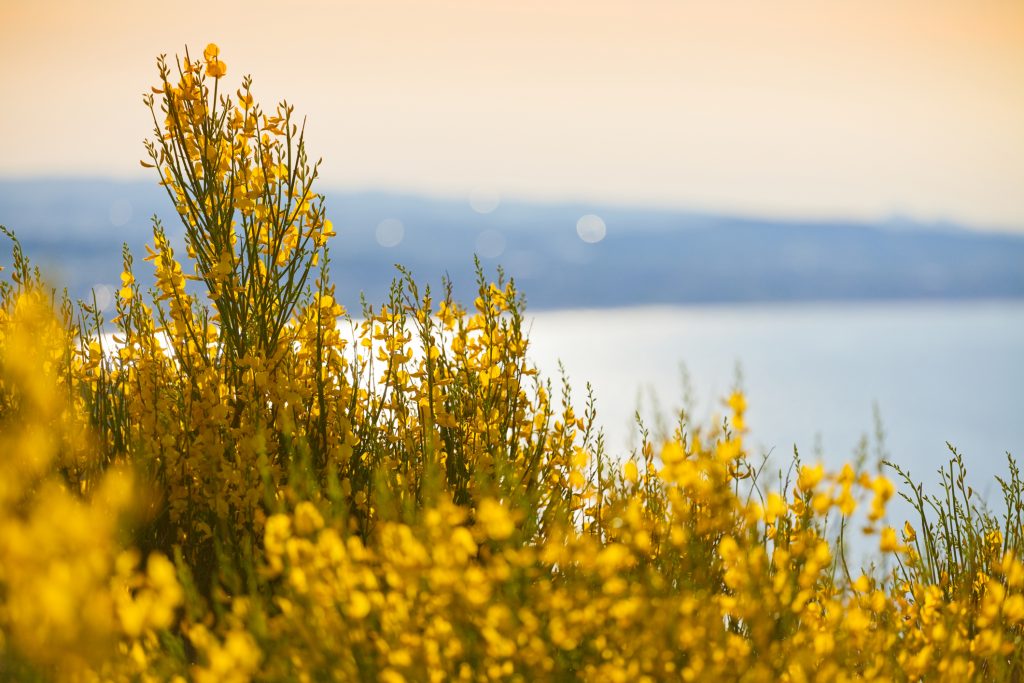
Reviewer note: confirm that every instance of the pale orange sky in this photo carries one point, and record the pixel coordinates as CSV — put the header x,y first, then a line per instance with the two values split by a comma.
x,y
834,108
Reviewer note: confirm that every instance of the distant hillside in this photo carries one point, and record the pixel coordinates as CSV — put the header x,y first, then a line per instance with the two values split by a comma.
x,y
75,228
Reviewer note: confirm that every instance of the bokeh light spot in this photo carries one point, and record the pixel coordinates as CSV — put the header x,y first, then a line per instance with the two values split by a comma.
x,y
390,232
591,228
484,200
120,212
490,244
104,296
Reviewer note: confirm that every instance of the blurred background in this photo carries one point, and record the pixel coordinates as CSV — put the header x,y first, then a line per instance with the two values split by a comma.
x,y
821,202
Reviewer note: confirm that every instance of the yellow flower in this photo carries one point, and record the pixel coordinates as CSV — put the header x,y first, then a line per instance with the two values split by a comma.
x,y
358,605
883,489
1013,609
629,472
810,476
847,503
214,66
307,519
216,69
244,99
888,542
495,519
775,507
738,402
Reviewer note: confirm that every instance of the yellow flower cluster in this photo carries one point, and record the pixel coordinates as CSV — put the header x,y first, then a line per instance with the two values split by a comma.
x,y
400,497
71,598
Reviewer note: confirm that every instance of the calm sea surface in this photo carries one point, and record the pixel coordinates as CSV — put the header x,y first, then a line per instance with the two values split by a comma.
x,y
813,374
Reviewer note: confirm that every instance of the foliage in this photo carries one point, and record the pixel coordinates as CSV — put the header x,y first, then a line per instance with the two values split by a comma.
x,y
245,483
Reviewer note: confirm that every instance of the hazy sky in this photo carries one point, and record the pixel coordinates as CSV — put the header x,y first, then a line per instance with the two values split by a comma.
x,y
855,108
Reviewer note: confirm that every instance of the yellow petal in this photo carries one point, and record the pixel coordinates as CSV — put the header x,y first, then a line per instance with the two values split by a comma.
x,y
216,69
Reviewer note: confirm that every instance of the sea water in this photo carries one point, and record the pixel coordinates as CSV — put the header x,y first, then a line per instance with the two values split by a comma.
x,y
815,376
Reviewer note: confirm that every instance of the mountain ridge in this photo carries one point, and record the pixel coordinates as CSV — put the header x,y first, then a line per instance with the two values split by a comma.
x,y
649,256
